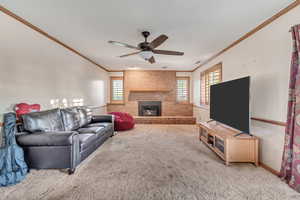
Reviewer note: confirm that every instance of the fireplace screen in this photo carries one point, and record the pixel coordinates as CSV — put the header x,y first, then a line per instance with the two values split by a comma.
x,y
149,108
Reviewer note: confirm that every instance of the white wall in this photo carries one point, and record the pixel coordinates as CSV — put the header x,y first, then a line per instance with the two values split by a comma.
x,y
115,73
187,74
34,69
266,57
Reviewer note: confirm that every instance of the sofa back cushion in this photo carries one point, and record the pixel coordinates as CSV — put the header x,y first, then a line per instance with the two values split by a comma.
x,y
70,119
85,115
44,121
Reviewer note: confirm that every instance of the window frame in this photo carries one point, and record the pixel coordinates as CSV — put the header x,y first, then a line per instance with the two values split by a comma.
x,y
113,78
187,78
204,83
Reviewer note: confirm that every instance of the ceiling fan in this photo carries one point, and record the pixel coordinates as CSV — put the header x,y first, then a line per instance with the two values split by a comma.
x,y
147,50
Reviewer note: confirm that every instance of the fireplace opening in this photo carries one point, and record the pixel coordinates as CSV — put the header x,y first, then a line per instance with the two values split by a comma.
x,y
149,108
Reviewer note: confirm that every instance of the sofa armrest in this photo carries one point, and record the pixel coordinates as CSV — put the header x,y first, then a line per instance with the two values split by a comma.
x,y
103,118
21,133
64,138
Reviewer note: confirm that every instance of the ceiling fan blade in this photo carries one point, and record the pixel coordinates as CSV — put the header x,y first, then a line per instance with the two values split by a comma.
x,y
123,45
152,60
158,41
165,52
130,54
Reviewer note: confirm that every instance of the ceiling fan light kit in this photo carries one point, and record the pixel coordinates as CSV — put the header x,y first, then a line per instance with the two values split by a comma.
x,y
146,55
146,49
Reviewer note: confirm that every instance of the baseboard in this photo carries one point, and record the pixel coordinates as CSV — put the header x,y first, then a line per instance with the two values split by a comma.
x,y
270,169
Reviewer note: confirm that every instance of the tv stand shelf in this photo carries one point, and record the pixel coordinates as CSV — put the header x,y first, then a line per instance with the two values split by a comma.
x,y
230,148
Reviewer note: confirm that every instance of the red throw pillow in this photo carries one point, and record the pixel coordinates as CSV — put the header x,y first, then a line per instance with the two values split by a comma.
x,y
24,108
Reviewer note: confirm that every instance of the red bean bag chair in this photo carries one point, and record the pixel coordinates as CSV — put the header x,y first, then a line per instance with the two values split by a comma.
x,y
123,121
24,108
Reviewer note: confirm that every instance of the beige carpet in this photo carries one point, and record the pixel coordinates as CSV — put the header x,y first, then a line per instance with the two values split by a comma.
x,y
153,162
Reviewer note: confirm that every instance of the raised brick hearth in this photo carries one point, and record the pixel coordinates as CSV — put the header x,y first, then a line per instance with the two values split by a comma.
x,y
165,120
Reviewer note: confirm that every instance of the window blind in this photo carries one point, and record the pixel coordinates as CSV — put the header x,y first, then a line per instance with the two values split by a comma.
x,y
117,89
182,89
210,77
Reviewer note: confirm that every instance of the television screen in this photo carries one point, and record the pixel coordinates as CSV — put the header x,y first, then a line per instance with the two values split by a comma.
x,y
229,103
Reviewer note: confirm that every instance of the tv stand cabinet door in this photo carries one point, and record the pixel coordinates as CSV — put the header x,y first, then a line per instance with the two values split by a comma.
x,y
241,150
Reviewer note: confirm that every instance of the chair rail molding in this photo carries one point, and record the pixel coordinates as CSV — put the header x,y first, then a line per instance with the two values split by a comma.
x,y
269,121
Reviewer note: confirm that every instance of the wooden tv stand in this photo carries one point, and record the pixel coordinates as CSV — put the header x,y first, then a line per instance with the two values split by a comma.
x,y
222,140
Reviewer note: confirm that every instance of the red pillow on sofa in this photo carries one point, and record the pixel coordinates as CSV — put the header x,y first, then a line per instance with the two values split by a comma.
x,y
24,108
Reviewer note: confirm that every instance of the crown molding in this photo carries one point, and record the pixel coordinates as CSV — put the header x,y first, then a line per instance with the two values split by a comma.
x,y
39,30
253,31
250,33
116,70
150,70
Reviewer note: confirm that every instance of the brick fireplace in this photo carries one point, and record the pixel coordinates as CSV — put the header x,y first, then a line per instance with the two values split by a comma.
x,y
146,86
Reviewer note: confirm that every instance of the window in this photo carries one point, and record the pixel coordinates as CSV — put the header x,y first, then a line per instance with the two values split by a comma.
x,y
183,87
117,89
210,77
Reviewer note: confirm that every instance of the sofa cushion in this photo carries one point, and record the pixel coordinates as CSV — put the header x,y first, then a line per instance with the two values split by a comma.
x,y
70,119
73,109
63,138
84,117
44,121
86,139
102,118
100,124
94,130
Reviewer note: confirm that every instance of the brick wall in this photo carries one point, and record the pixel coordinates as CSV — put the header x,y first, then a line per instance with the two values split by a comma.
x,y
151,80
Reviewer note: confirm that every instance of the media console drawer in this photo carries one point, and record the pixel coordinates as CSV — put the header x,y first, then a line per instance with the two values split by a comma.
x,y
222,140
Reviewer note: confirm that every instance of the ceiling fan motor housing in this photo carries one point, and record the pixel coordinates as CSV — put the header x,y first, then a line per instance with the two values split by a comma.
x,y
145,46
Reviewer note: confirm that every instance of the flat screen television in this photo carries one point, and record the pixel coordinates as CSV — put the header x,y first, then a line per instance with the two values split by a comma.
x,y
229,103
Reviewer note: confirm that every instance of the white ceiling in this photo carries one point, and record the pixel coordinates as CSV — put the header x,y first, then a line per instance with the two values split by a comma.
x,y
197,27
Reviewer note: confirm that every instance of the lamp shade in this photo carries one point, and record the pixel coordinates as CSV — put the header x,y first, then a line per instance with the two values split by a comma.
x,y
146,55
